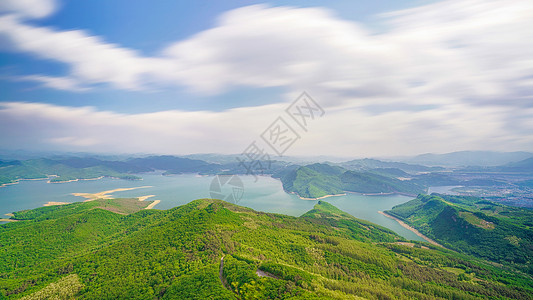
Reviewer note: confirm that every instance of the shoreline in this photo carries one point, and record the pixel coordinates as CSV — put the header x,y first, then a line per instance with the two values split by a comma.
x,y
142,198
64,181
105,194
323,197
8,220
384,194
52,203
22,179
153,204
74,180
404,225
348,192
96,178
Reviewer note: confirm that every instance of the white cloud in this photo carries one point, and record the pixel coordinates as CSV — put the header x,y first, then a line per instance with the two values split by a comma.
x,y
465,49
59,83
468,48
280,46
91,59
454,75
29,8
176,131
342,132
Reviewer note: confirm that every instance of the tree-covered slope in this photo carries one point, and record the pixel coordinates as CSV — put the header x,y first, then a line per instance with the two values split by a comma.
x,y
319,180
366,182
475,226
61,169
366,164
313,181
64,170
324,213
210,249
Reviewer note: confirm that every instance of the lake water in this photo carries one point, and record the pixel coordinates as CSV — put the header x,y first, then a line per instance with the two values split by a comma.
x,y
265,194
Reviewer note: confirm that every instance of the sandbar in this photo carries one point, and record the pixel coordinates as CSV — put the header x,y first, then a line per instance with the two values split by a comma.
x,y
323,197
142,198
50,203
152,204
105,194
8,220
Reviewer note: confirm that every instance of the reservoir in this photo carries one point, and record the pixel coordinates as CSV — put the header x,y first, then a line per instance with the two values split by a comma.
x,y
264,194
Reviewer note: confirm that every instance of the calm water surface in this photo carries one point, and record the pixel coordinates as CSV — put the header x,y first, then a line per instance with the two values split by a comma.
x,y
265,194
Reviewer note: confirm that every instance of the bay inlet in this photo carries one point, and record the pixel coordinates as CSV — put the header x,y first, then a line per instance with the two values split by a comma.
x,y
266,194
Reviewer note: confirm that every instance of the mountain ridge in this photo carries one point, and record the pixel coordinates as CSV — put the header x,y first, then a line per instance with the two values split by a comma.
x,y
475,226
166,254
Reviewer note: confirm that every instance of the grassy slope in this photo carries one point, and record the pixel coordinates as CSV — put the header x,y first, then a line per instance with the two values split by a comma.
x,y
325,254
472,225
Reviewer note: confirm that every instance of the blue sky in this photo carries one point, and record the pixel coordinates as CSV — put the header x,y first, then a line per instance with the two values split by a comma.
x,y
179,77
148,27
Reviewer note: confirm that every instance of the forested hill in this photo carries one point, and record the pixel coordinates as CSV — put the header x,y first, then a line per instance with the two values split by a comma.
x,y
319,180
210,249
475,226
72,168
61,169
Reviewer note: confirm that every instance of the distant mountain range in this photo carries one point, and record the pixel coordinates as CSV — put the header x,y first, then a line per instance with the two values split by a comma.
x,y
369,164
63,169
523,166
309,181
469,158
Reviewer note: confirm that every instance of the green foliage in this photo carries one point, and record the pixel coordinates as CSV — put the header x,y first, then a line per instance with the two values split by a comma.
x,y
372,164
313,181
201,284
11,173
366,182
324,213
319,180
299,277
64,288
471,225
176,254
62,171
120,205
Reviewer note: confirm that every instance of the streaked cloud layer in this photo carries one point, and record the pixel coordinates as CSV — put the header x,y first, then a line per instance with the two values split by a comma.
x,y
453,75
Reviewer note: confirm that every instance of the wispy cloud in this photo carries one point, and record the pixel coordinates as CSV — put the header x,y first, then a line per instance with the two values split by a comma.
x,y
59,83
343,132
461,49
29,8
91,60
453,75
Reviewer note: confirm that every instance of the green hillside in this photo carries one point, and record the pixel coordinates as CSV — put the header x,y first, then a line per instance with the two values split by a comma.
x,y
318,180
475,226
366,182
370,164
314,181
63,170
210,249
